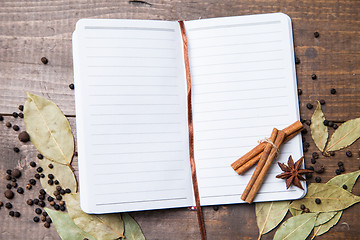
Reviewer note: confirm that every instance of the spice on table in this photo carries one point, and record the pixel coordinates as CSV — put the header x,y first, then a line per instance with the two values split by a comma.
x,y
297,60
24,136
21,107
28,186
29,202
50,198
21,115
316,34
51,176
47,225
344,187
306,210
317,201
338,171
44,214
319,168
16,173
1,118
40,156
342,169
50,182
349,153
20,190
32,181
41,197
42,204
332,153
318,179
9,194
8,186
62,208
8,177
302,207
15,114
292,172
8,171
333,91
335,126
315,155
43,218
57,207
36,219
313,160
38,211
309,106
71,86
8,124
17,214
299,91
59,197
14,184
56,182
313,76
44,60
68,190
322,102
42,175
62,191
8,205
39,169
42,192
33,164
12,213
51,166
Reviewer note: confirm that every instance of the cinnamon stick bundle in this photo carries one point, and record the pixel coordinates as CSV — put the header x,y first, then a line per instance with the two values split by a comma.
x,y
253,156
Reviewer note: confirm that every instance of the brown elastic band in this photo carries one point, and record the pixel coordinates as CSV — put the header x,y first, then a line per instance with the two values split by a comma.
x,y
191,133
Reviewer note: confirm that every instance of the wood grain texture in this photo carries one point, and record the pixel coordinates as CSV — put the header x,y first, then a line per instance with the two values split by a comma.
x,y
30,30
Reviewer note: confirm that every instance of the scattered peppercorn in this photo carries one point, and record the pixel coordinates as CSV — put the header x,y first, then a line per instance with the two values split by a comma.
x,y
317,201
43,218
319,168
58,197
29,202
61,203
313,160
44,214
349,153
307,144
313,76
8,171
342,169
344,187
51,166
52,203
16,173
1,204
50,182
39,169
340,163
17,214
318,179
333,91
304,131
9,194
331,124
297,60
16,149
36,201
24,136
335,126
36,219
71,86
50,198
8,177
14,184
56,182
42,204
38,211
62,208
37,176
309,106
8,124
299,91
337,171
33,164
306,210
315,155
1,118
332,153
41,197
21,107
13,179
12,213
20,190
42,192
32,181
21,115
57,207
51,176
40,156
302,207
28,186
311,168
8,186
322,102
42,175
62,191
8,205
76,154
44,60
316,34
15,114
47,225
68,190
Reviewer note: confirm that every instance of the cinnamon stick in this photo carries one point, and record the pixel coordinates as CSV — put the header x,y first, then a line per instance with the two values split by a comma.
x,y
261,163
289,131
260,178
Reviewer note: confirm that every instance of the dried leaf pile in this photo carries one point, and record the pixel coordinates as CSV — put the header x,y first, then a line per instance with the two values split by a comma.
x,y
51,134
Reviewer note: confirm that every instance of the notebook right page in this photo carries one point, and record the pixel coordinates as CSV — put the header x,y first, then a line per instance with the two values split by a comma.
x,y
244,85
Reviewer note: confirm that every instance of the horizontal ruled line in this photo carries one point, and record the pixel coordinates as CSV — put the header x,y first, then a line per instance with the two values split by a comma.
x,y
231,35
232,109
235,44
252,70
157,200
115,95
146,181
139,76
226,63
144,123
132,38
239,99
126,143
235,53
131,114
233,25
118,173
147,152
237,118
150,191
130,28
130,85
146,133
236,81
127,47
127,57
117,163
122,66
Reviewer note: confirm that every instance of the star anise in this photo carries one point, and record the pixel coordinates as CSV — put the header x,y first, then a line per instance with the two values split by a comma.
x,y
292,173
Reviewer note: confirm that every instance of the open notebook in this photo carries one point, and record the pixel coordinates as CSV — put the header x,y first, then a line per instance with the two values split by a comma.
x,y
131,109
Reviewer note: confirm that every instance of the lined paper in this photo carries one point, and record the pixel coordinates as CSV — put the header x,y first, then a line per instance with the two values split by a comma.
x,y
243,85
131,116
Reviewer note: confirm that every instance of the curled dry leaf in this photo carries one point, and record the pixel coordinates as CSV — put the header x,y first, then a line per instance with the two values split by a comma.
x,y
333,198
270,214
319,132
62,173
319,230
65,226
298,227
101,226
348,179
346,134
132,229
49,129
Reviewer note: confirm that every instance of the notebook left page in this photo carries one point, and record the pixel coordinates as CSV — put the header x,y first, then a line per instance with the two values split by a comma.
x,y
131,116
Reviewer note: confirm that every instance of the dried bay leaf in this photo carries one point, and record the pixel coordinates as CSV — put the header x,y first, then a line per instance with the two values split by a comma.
x,y
333,198
348,179
346,134
62,173
270,214
324,217
319,132
319,230
101,226
65,226
295,212
132,229
298,227
49,129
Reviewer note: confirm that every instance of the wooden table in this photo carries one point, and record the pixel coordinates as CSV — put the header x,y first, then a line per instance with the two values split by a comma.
x,y
30,30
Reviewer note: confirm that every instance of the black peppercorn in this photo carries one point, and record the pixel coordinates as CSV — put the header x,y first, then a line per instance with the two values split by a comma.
x,y
57,207
21,107
29,202
50,182
306,210
38,211
37,176
332,153
12,213
36,219
62,208
335,126
44,214
42,192
307,144
44,60
58,188
20,190
326,122
50,198
331,123
51,166
8,205
8,177
47,225
58,197
348,153
311,168
75,154
304,131
52,203
24,136
333,91
33,164
318,201
51,176
13,179
8,171
17,214
309,106
41,197
9,194
21,115
16,128
62,191
56,182
42,175
39,169
16,173
15,114
1,204
322,102
342,169
315,155
48,220
36,201
313,160
344,187
67,190
313,76
299,91
16,149
297,60
8,124
338,171
319,168
71,86
302,207
14,184
40,156
43,218
340,163
1,118
28,186
316,34
61,203
32,181
56,193
8,186
42,204
318,179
